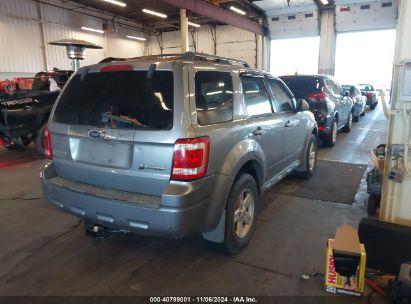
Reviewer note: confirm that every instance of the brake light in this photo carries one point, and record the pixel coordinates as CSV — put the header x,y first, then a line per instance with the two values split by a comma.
x,y
370,95
190,158
117,68
47,148
320,96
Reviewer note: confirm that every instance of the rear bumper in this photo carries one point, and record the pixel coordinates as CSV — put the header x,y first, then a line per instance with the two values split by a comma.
x,y
371,101
183,209
358,108
324,126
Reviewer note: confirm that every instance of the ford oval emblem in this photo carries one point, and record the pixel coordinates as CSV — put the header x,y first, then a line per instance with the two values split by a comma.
x,y
97,134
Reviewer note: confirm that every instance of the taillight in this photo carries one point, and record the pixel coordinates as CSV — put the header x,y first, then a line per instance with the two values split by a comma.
x,y
117,68
2,142
47,148
370,95
320,96
190,158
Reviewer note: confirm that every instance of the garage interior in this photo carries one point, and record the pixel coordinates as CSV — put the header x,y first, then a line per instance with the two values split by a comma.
x,y
45,252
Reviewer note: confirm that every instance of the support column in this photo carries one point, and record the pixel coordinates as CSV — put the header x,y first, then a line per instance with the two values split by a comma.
x,y
43,42
328,37
396,197
184,31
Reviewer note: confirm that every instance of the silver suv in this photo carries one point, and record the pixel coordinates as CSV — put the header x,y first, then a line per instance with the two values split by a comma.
x,y
174,145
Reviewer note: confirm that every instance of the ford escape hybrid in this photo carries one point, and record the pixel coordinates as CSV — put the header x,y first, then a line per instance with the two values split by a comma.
x,y
174,145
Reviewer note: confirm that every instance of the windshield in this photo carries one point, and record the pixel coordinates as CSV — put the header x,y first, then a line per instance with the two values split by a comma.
x,y
118,100
366,87
302,86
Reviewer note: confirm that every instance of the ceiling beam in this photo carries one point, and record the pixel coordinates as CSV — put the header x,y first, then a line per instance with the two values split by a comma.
x,y
214,12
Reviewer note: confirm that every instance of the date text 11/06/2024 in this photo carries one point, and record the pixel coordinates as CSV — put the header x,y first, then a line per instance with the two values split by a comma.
x,y
203,300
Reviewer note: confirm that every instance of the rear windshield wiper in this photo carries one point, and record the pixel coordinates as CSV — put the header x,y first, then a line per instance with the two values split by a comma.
x,y
124,119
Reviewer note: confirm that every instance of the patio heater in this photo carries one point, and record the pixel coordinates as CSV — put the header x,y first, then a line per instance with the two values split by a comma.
x,y
76,50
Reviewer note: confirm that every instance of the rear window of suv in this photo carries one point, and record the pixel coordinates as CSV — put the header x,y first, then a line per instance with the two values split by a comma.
x,y
118,100
302,86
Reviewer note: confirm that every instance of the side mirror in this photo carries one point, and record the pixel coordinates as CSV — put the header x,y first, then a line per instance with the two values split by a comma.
x,y
302,105
362,93
346,93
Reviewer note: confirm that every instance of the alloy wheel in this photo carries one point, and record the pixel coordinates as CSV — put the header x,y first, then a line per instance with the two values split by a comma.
x,y
244,213
312,156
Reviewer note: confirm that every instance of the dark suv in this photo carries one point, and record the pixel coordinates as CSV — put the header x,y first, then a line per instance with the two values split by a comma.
x,y
328,101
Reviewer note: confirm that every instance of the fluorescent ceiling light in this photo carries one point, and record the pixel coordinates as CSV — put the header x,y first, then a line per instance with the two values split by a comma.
x,y
325,2
147,11
193,24
237,10
137,38
92,30
119,3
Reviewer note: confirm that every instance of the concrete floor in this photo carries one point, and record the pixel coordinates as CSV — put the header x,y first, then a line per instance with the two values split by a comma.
x,y
46,252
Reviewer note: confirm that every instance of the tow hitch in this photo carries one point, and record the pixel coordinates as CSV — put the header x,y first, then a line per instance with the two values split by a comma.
x,y
100,232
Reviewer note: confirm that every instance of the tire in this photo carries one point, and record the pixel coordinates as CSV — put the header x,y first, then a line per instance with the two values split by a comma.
x,y
348,125
356,118
38,139
372,205
331,138
307,170
363,113
243,192
373,106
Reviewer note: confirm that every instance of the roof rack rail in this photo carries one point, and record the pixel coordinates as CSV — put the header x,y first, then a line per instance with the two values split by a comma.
x,y
187,56
146,57
192,56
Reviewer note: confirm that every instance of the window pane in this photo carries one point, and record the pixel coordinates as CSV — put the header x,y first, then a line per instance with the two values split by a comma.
x,y
357,64
214,97
283,101
303,86
255,96
296,55
118,100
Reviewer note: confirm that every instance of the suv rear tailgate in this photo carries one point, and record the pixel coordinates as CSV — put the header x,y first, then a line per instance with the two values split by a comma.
x,y
113,130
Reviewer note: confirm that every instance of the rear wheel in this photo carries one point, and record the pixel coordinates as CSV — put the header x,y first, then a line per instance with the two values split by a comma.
x,y
373,106
310,159
356,118
372,205
331,138
363,113
348,125
39,139
241,213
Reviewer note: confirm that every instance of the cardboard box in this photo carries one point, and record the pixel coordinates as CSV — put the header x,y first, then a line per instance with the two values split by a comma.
x,y
378,162
345,263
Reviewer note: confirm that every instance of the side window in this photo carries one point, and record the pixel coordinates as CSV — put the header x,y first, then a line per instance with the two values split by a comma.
x,y
338,89
330,86
255,96
283,101
214,97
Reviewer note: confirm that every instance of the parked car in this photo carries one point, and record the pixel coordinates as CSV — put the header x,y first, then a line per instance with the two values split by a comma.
x,y
328,101
173,146
25,106
359,100
371,94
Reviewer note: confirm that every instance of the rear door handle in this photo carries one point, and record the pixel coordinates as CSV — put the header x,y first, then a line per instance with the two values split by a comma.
x,y
257,132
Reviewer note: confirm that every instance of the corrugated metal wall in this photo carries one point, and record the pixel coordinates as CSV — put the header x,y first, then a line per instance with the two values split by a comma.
x,y
231,42
20,47
21,43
